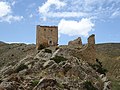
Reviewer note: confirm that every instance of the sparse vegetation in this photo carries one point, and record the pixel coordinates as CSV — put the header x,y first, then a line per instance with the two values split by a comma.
x,y
48,51
108,58
21,67
34,83
98,67
41,47
56,48
58,59
88,85
116,85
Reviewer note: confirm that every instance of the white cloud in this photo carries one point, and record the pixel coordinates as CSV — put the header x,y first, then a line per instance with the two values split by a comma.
x,y
4,9
66,14
6,13
13,3
46,6
31,15
115,14
10,18
78,8
72,28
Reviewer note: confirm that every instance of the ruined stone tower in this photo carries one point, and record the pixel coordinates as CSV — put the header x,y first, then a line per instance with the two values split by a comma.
x,y
46,36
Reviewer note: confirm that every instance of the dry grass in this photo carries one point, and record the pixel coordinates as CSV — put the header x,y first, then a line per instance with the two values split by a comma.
x,y
109,55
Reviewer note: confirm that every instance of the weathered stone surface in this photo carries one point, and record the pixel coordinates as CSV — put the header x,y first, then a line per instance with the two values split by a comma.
x,y
54,66
46,36
43,55
107,85
66,67
75,42
8,85
23,72
87,52
2,88
7,70
45,83
48,63
105,79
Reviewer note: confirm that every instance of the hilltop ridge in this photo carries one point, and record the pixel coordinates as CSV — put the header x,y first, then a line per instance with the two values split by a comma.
x,y
23,67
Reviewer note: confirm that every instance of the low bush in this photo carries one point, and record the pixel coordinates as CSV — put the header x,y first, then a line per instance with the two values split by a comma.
x,y
41,47
48,51
98,67
34,83
56,48
58,59
88,85
21,67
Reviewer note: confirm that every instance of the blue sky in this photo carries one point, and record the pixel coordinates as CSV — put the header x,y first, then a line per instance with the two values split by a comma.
x,y
74,18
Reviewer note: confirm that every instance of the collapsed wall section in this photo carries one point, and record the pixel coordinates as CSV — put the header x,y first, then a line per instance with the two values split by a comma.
x,y
86,52
77,41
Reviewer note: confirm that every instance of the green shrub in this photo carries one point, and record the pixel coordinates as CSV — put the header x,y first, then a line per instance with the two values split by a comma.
x,y
98,67
34,83
56,48
115,84
21,67
58,59
48,51
41,47
88,85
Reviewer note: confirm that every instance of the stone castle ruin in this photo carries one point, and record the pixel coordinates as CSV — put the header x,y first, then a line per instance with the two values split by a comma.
x,y
88,51
77,41
46,36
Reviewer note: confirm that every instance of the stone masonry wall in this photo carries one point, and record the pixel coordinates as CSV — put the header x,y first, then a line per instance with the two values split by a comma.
x,y
46,35
88,51
77,41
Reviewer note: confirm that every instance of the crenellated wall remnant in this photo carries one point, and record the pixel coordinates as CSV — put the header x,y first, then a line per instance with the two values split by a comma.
x,y
77,41
91,40
89,51
86,52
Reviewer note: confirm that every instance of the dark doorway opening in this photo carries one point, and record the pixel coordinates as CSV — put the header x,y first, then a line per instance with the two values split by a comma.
x,y
50,42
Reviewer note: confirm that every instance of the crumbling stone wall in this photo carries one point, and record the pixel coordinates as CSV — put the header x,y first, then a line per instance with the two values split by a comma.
x,y
86,52
77,41
46,36
89,51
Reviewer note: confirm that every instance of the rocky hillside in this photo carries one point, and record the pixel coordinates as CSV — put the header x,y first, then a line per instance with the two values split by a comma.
x,y
54,68
109,55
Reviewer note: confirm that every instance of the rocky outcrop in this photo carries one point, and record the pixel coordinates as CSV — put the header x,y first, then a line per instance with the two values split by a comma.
x,y
58,70
48,63
46,84
107,83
